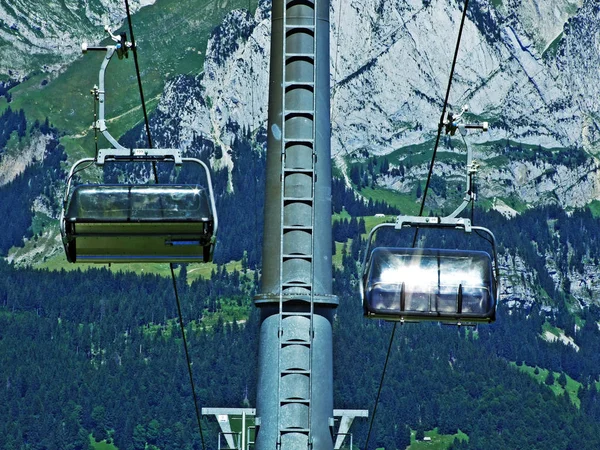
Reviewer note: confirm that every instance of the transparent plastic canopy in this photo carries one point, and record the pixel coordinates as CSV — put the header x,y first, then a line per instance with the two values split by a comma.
x,y
139,223
429,284
139,203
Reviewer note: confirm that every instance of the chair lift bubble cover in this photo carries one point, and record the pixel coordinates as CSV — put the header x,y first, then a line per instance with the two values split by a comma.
x,y
416,284
130,223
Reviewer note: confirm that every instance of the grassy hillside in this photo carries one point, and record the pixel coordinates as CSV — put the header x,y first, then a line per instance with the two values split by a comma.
x,y
171,36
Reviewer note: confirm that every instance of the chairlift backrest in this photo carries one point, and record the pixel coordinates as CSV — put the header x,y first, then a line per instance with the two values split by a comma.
x,y
138,203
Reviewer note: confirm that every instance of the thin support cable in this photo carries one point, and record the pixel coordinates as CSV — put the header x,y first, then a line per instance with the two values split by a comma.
x,y
445,106
187,356
482,236
251,138
184,339
387,358
141,89
80,170
437,141
137,71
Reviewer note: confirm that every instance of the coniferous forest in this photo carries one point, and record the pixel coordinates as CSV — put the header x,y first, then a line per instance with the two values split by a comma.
x,y
99,353
111,364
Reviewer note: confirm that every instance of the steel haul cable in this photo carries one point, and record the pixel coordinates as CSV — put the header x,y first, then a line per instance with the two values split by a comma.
x,y
437,141
187,355
139,80
441,124
171,265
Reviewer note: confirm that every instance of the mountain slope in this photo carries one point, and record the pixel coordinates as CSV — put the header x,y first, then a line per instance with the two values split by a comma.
x,y
390,63
37,35
540,147
380,106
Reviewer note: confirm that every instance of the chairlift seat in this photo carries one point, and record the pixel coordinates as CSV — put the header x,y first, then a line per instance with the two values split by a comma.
x,y
415,284
139,223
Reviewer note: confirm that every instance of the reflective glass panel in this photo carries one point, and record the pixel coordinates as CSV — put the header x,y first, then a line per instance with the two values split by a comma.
x,y
123,203
431,282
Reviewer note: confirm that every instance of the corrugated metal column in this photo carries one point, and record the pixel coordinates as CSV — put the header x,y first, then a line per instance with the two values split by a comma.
x,y
295,383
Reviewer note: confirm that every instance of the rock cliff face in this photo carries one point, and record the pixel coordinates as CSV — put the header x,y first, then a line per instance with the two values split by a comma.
x,y
53,30
576,63
231,90
14,163
394,82
543,19
517,286
529,68
390,62
526,67
543,182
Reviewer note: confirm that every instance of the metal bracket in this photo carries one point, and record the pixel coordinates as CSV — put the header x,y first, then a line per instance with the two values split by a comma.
x,y
453,123
224,417
121,47
100,125
473,167
139,155
95,91
346,416
420,221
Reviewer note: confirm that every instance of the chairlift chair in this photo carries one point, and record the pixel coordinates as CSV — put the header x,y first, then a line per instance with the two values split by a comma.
x,y
430,284
124,223
102,223
433,284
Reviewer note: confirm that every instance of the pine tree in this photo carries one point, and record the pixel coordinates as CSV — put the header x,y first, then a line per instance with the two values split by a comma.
x,y
562,380
139,437
420,435
385,166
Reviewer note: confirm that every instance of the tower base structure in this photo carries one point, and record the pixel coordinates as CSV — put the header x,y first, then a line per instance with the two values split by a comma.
x,y
239,426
